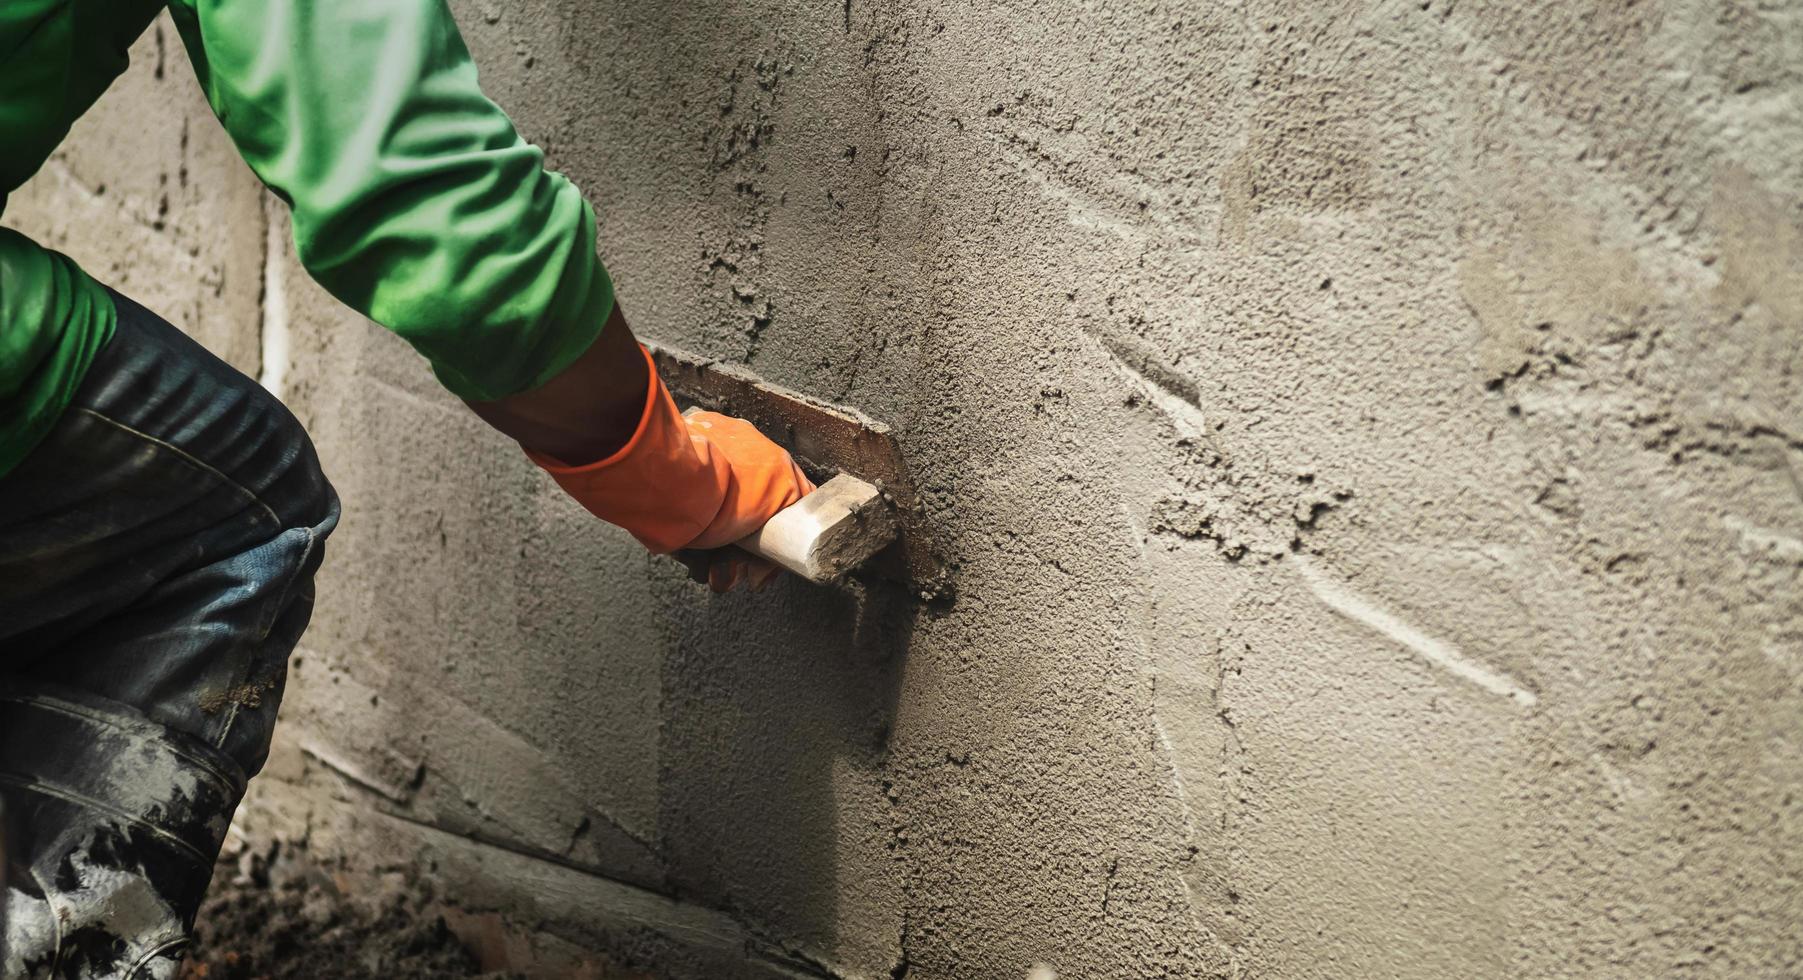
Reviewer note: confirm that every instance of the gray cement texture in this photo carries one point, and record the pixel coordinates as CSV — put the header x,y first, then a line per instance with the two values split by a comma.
x,y
1367,439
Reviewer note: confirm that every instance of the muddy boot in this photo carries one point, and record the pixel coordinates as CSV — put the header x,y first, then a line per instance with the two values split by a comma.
x,y
112,825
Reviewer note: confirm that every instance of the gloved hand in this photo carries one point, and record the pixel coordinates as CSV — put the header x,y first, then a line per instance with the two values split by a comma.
x,y
723,569
697,484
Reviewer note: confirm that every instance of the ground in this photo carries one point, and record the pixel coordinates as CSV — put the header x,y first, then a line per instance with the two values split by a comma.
x,y
277,914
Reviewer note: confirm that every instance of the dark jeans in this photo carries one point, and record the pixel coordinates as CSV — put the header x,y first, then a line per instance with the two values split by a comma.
x,y
156,562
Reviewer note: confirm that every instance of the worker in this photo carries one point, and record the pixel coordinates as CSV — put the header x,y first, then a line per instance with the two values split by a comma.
x,y
162,516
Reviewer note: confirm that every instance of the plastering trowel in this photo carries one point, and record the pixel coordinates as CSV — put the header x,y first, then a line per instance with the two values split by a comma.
x,y
865,513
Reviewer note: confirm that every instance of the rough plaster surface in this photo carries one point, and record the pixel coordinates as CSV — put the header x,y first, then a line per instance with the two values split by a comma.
x,y
1369,438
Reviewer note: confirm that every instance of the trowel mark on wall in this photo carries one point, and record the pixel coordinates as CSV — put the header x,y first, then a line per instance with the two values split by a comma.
x,y
1359,609
1096,195
1168,390
1774,546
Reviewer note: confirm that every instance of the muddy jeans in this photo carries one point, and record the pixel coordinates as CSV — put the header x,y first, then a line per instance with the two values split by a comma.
x,y
157,553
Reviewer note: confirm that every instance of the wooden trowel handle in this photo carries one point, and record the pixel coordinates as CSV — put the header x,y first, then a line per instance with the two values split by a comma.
x,y
828,532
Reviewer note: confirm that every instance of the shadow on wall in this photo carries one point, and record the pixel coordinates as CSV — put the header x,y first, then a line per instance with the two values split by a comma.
x,y
774,706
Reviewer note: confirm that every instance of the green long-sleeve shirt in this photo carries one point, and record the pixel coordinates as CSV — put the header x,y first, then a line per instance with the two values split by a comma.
x,y
414,201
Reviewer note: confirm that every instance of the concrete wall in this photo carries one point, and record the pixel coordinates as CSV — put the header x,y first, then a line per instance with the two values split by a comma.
x,y
1368,439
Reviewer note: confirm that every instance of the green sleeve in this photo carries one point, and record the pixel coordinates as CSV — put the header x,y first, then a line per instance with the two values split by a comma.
x,y
415,202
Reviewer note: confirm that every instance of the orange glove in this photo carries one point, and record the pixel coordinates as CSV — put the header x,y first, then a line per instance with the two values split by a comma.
x,y
693,483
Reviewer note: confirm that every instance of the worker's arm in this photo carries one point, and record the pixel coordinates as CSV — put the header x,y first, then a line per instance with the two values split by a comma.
x,y
691,485
414,200
585,412
416,203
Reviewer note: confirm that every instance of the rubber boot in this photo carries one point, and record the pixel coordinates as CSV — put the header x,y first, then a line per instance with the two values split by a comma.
x,y
113,822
